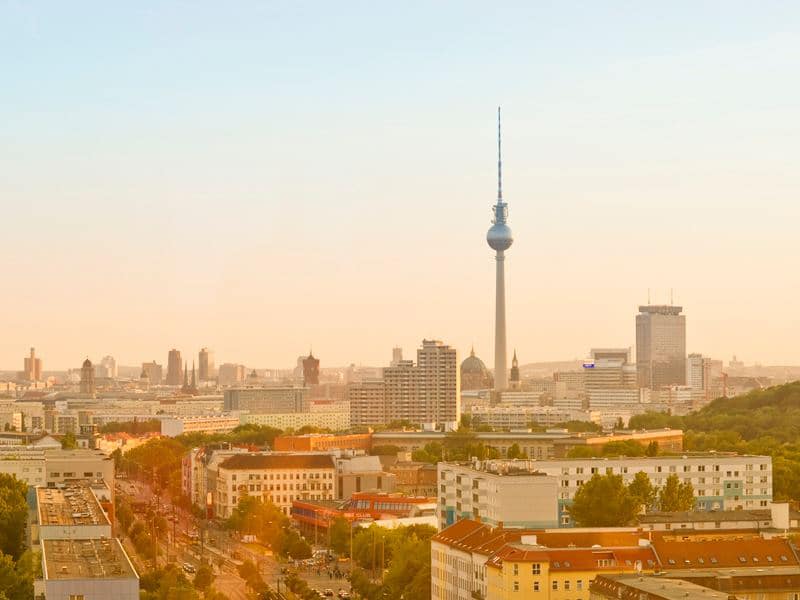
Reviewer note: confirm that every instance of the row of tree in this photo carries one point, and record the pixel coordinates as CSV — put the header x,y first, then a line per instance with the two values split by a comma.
x,y
605,500
272,528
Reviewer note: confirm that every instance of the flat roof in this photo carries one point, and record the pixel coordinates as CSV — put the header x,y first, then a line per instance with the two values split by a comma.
x,y
74,504
86,559
633,586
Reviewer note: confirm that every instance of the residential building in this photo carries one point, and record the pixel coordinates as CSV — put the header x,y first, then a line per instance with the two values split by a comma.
x,y
368,402
472,560
614,587
439,383
521,417
265,400
415,478
610,379
278,478
362,474
86,569
779,517
660,346
533,493
176,425
335,421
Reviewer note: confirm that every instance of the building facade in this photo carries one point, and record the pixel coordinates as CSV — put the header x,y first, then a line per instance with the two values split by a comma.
x,y
660,346
174,368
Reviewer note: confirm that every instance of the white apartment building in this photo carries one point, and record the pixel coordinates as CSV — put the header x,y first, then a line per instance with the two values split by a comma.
x,y
333,420
520,417
279,478
48,467
720,481
177,425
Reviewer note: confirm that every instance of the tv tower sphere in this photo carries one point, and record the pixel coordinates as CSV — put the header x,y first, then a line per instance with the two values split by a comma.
x,y
499,237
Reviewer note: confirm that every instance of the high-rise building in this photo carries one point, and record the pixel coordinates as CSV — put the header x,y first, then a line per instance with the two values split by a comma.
x,y
174,368
500,239
397,356
107,368
660,346
367,402
33,367
206,365
439,382
87,378
231,374
154,372
401,395
310,370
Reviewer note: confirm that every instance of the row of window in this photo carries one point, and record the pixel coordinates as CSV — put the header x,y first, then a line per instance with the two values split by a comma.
x,y
256,487
536,586
662,469
282,476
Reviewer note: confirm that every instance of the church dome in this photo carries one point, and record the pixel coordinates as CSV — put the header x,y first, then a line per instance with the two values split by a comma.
x,y
473,365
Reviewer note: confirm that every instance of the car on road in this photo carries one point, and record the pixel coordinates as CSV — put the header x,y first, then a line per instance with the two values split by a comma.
x,y
329,593
189,568
344,594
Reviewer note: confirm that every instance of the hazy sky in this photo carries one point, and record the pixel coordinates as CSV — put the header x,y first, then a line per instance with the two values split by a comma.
x,y
260,177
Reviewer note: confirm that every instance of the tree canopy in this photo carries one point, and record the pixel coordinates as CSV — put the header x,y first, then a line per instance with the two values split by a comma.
x,y
603,501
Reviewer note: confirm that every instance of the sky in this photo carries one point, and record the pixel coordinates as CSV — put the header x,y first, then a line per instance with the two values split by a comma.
x,y
266,177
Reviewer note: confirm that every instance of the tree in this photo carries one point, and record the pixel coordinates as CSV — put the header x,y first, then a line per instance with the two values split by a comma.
x,y
340,536
13,515
203,578
16,578
514,451
676,495
68,442
652,449
248,571
642,491
603,501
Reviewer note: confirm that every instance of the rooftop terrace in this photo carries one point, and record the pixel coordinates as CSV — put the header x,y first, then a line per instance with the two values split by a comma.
x,y
86,559
72,505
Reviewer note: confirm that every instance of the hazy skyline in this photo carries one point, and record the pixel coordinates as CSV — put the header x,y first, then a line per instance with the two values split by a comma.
x,y
265,178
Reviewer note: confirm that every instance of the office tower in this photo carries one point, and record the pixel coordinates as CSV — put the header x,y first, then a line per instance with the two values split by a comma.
x,y
439,382
174,368
267,400
154,372
610,379
107,368
87,378
206,364
310,370
474,374
500,239
660,346
231,374
397,356
514,381
33,367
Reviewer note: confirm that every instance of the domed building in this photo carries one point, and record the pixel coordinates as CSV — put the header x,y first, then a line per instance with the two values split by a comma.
x,y
474,374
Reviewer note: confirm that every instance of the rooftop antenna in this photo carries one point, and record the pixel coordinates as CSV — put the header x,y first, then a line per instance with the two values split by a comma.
x,y
648,296
499,160
671,302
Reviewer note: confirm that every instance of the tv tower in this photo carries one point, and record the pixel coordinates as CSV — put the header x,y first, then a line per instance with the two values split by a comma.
x,y
500,239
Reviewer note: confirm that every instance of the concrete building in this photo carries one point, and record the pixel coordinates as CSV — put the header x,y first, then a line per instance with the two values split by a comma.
x,y
415,478
520,417
720,481
177,425
205,362
49,467
174,368
778,518
32,369
230,374
335,420
368,402
660,346
86,569
439,384
614,587
154,372
267,400
278,478
71,511
610,380
362,474
107,369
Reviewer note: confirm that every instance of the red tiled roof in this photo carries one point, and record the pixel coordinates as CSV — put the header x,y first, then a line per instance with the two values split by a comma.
x,y
724,553
278,461
579,559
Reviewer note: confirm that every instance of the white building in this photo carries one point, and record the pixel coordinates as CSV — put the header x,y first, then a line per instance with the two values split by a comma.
x,y
71,511
720,481
335,421
274,477
177,425
518,417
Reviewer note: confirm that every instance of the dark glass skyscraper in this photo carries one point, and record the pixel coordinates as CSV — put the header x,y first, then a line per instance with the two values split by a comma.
x,y
660,346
